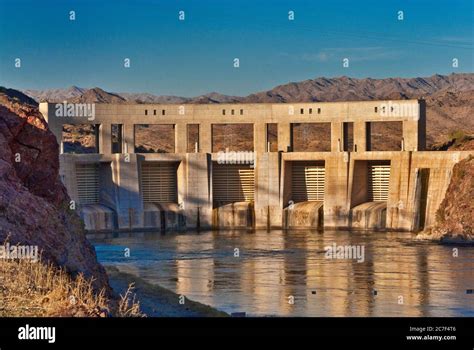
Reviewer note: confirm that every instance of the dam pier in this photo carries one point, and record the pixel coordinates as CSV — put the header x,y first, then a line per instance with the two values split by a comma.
x,y
341,165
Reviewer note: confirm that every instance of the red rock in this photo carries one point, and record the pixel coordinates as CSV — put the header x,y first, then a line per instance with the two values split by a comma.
x,y
33,201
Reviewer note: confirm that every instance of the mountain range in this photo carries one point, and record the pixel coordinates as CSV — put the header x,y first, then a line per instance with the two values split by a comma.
x,y
312,90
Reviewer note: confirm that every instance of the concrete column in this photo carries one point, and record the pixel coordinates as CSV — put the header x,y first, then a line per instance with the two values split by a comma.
x,y
180,139
400,211
336,196
410,135
360,136
284,136
128,138
129,202
205,137
268,212
259,137
105,138
197,201
54,123
337,137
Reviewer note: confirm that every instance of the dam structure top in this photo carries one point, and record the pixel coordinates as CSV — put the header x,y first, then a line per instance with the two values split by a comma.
x,y
409,112
358,165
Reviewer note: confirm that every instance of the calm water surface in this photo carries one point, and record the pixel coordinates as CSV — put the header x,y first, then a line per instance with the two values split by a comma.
x,y
410,278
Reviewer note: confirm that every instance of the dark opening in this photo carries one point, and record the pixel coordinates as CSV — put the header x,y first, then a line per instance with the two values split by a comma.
x,y
192,138
311,137
272,137
385,136
80,138
154,138
232,137
348,130
424,178
116,138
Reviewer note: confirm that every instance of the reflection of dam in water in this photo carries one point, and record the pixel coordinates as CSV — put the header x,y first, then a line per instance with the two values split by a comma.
x,y
313,165
276,265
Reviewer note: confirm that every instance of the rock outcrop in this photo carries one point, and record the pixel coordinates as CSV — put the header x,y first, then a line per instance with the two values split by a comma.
x,y
34,204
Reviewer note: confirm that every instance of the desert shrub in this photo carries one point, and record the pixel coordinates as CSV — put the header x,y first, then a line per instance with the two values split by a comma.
x,y
40,289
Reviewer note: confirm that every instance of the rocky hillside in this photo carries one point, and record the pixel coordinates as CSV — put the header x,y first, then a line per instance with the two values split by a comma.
x,y
449,112
33,201
55,95
351,89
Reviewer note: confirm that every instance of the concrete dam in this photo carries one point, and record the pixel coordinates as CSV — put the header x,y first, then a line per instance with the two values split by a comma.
x,y
302,165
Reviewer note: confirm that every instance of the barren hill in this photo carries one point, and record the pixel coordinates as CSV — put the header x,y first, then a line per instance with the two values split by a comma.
x,y
97,95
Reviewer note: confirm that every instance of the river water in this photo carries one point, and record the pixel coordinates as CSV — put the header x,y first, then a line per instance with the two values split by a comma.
x,y
281,273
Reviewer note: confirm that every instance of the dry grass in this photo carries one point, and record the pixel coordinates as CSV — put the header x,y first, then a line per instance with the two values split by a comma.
x,y
38,289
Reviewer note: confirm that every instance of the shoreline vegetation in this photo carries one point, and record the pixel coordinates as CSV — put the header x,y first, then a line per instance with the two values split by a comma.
x,y
156,301
31,288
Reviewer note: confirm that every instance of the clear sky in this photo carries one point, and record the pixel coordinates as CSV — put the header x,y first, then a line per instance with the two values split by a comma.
x,y
195,56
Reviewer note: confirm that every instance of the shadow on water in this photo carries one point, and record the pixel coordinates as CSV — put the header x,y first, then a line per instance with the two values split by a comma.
x,y
289,273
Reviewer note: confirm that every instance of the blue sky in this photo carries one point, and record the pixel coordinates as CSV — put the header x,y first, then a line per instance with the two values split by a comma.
x,y
195,56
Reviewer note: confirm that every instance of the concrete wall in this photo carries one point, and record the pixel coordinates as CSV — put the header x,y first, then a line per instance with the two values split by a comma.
x,y
345,171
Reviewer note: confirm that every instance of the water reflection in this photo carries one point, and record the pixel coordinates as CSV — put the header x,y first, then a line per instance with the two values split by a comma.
x,y
262,273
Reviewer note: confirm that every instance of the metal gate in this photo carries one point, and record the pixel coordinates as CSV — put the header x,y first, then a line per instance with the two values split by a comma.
x,y
379,178
87,179
308,182
159,182
232,183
